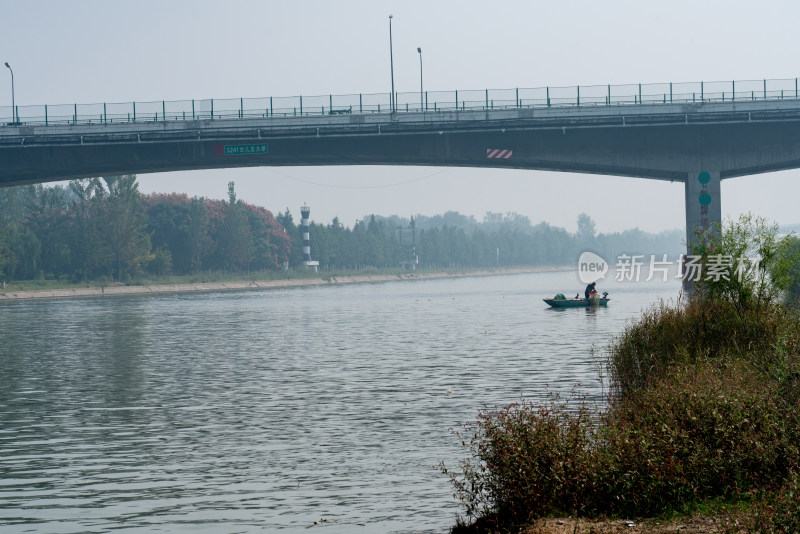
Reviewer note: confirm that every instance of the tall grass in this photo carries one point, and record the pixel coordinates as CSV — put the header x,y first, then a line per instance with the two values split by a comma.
x,y
701,329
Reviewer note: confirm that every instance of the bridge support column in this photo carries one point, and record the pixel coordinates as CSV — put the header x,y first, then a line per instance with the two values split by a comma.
x,y
703,207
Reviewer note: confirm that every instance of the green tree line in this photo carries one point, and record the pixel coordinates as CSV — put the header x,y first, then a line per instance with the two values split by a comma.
x,y
105,229
454,240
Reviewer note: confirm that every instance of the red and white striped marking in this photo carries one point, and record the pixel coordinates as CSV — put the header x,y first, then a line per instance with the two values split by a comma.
x,y
498,153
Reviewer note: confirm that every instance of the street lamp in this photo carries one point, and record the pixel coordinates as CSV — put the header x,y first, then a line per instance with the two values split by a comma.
x,y
13,106
391,62
420,77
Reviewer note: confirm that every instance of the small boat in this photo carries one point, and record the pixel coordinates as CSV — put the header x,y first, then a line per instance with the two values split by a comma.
x,y
560,301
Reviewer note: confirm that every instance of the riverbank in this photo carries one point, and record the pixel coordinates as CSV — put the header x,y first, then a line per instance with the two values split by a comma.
x,y
239,285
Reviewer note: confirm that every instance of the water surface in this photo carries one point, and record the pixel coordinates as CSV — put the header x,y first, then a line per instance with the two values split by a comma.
x,y
272,409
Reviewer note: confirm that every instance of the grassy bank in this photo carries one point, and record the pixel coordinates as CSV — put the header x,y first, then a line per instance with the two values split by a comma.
x,y
702,417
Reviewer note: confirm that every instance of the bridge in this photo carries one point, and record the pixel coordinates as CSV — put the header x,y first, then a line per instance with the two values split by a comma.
x,y
695,133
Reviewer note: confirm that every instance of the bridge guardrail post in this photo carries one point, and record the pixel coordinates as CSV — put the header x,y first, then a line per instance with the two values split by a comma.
x,y
271,112
670,92
518,97
301,105
45,114
163,111
75,116
608,99
579,96
456,99
134,111
640,93
193,109
548,96
765,89
212,109
733,90
105,117
702,90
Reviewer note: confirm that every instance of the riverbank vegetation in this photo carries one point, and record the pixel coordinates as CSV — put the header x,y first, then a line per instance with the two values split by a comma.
x,y
103,230
703,412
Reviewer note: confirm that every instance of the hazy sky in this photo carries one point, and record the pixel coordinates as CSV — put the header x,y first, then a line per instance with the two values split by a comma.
x,y
116,51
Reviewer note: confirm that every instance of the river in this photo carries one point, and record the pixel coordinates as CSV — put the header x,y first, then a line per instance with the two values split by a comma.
x,y
274,409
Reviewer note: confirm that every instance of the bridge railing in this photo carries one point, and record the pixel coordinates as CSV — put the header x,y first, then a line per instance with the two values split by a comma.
x,y
414,101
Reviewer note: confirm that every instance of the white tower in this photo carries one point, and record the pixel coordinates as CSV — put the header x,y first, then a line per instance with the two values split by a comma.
x,y
305,211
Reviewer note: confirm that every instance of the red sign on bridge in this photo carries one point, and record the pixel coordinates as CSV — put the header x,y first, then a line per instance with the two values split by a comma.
x,y
498,153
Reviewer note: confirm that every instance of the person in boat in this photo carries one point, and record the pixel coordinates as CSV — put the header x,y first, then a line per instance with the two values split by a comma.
x,y
590,290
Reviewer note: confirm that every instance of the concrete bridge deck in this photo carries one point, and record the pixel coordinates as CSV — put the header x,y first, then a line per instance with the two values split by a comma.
x,y
747,137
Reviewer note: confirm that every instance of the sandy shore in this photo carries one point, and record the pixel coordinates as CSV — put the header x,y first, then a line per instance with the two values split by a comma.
x,y
10,294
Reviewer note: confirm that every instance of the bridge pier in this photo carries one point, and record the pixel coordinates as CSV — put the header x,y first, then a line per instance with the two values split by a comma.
x,y
703,207
703,210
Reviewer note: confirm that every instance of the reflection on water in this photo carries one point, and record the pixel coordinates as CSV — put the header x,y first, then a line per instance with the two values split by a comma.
x,y
239,412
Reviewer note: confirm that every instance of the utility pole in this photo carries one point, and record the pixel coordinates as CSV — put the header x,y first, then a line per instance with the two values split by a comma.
x,y
419,49
14,117
391,63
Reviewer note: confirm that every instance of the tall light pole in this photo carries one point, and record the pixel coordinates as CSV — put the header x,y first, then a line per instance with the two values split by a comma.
x,y
13,106
420,77
391,62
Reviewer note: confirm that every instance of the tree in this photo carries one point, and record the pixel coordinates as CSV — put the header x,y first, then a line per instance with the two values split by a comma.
x,y
85,240
296,239
232,235
744,263
179,224
23,253
48,218
586,229
270,244
124,225
793,251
